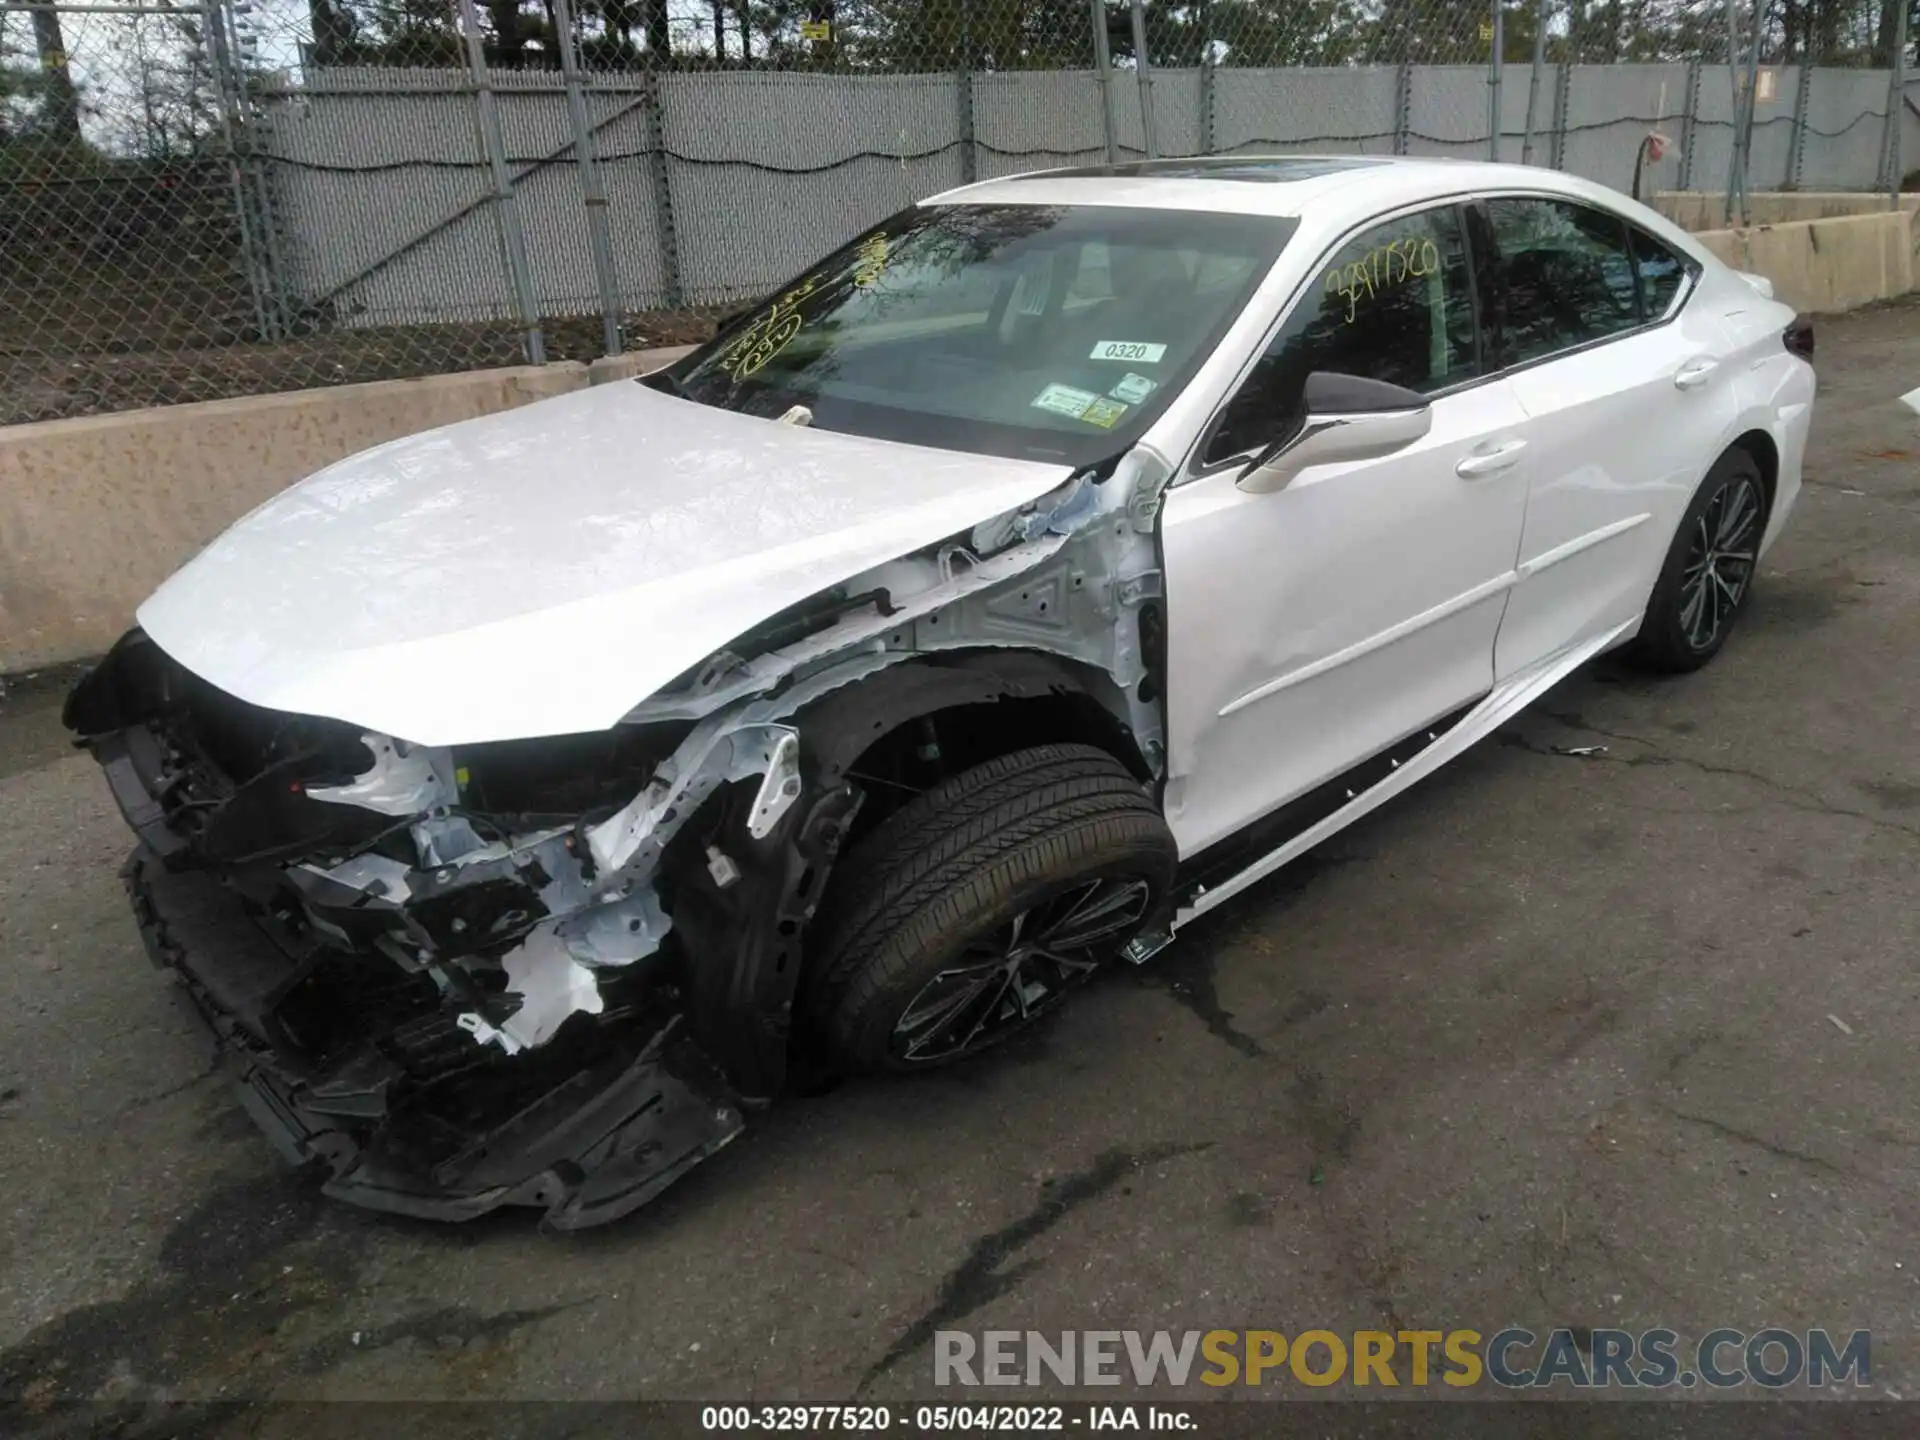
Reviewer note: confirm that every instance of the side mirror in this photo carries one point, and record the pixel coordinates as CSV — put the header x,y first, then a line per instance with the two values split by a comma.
x,y
1348,418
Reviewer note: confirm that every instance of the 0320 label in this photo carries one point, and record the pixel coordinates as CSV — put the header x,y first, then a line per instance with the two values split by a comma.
x,y
1136,350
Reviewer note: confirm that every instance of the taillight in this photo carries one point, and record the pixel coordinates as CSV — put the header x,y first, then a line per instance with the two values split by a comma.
x,y
1798,338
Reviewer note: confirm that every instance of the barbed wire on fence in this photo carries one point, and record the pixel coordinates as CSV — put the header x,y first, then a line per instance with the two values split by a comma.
x,y
233,196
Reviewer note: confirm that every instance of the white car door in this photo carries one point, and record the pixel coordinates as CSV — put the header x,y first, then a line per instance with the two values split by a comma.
x,y
1626,397
1313,627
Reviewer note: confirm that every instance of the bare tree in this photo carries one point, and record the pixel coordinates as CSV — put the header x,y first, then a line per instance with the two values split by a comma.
x,y
170,89
61,111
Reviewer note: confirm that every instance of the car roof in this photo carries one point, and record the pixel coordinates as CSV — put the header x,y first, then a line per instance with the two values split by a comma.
x,y
1333,189
1264,184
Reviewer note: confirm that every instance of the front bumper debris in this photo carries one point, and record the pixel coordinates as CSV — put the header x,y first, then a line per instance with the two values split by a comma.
x,y
405,1113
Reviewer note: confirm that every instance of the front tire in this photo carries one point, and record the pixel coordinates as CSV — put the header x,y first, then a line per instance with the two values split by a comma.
x,y
1708,572
978,906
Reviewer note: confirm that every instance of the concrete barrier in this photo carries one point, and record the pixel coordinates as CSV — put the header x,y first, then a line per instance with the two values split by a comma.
x,y
1822,266
95,512
1706,209
609,368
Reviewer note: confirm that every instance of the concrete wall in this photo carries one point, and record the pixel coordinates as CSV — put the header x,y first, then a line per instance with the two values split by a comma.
x,y
1706,209
1820,266
96,512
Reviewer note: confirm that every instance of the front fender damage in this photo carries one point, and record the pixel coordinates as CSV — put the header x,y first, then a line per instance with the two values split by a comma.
x,y
586,1002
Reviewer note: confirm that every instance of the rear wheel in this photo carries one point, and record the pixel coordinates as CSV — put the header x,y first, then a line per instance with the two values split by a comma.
x,y
1708,571
981,904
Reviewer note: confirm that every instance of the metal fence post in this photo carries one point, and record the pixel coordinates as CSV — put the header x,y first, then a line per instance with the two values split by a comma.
x,y
220,71
1533,79
969,156
591,190
1743,88
1562,89
1206,106
513,241
1687,125
963,78
1103,77
1493,81
673,292
1797,137
259,188
1890,157
1753,100
1206,78
1402,107
1143,76
1733,81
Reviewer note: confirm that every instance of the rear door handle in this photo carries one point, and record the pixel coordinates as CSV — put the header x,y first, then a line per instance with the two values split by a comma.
x,y
1694,374
1491,460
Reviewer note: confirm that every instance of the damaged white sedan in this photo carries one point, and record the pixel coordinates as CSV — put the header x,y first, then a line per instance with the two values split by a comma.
x,y
521,803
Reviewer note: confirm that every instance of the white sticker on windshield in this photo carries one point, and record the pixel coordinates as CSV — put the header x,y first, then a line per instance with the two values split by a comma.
x,y
1132,388
1064,400
1134,350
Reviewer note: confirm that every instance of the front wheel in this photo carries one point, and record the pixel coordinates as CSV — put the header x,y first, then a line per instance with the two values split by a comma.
x,y
981,904
1708,571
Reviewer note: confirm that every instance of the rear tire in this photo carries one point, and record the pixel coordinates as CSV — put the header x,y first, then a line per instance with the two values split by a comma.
x,y
1708,572
978,906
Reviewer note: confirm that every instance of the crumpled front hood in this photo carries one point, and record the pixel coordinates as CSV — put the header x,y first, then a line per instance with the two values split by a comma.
x,y
543,570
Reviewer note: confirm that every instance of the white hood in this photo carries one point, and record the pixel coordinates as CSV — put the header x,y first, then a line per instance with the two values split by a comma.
x,y
542,571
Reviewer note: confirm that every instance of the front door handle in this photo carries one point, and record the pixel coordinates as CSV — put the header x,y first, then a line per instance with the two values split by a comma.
x,y
1694,374
1503,456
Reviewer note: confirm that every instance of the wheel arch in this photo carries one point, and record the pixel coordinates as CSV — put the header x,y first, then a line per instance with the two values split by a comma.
x,y
1005,699
1765,451
754,916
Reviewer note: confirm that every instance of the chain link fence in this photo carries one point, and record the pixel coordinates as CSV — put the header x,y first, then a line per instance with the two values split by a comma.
x,y
229,197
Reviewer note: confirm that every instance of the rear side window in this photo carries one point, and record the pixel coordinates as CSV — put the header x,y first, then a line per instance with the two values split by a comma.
x,y
1395,304
1662,273
1566,276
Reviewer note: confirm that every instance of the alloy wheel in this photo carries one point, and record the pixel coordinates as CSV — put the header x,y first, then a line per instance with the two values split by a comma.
x,y
1008,977
1720,561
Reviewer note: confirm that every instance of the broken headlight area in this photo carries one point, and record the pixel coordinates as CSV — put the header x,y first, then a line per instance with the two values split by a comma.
x,y
450,975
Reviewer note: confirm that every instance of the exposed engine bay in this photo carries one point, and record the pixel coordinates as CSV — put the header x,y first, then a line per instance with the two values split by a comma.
x,y
559,971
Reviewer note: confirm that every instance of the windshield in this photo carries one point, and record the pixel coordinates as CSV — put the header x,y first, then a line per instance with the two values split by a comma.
x,y
1042,332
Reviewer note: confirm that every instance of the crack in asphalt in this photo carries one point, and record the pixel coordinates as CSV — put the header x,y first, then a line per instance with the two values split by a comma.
x,y
1793,797
212,1069
1734,1132
979,1278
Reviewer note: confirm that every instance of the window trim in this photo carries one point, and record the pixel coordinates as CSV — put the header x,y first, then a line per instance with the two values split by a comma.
x,y
1473,215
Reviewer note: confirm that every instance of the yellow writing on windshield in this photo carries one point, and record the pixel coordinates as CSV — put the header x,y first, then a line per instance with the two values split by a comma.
x,y
1382,267
870,262
769,335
